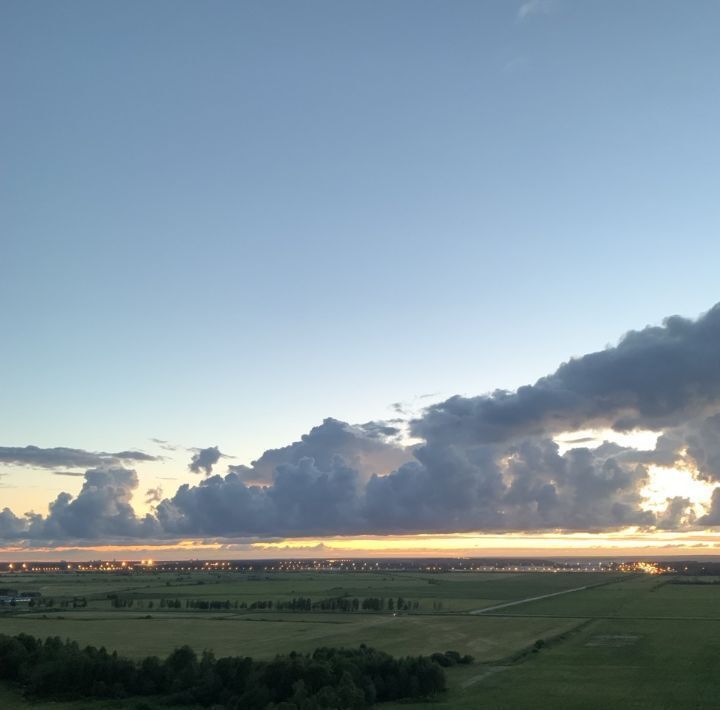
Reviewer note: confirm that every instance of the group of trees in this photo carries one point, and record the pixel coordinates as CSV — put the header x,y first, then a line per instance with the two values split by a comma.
x,y
37,601
343,604
328,678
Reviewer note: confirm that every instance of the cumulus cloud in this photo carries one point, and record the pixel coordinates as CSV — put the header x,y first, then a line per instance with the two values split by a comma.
x,y
528,486
61,457
679,514
488,463
303,500
205,459
11,526
712,517
101,511
654,378
369,448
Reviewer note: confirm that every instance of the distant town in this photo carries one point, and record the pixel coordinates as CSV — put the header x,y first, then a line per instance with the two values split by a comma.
x,y
429,566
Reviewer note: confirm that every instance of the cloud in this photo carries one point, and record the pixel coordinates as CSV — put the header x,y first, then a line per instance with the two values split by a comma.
x,y
369,448
11,526
712,516
102,511
679,514
580,440
399,408
60,457
654,378
304,499
153,495
205,459
527,486
535,7
163,444
488,464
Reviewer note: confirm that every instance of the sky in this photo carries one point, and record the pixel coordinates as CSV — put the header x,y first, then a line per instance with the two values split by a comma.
x,y
320,236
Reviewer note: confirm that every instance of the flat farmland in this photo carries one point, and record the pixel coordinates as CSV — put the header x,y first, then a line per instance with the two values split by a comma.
x,y
440,592
643,643
636,664
265,635
155,618
642,597
570,640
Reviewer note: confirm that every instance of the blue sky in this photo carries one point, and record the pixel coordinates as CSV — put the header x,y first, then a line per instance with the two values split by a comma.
x,y
222,222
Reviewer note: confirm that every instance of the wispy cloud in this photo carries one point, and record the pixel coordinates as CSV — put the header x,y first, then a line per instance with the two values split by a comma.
x,y
535,7
153,495
166,445
61,457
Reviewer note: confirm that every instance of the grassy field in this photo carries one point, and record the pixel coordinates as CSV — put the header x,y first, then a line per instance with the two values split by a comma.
x,y
639,642
456,592
265,635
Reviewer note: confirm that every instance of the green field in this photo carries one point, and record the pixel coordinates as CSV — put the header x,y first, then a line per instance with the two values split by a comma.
x,y
635,641
265,635
456,591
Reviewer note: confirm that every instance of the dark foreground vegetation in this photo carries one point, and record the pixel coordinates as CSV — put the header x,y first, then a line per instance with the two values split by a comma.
x,y
327,678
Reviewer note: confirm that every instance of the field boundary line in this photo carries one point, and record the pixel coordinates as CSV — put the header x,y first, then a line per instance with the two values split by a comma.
x,y
516,602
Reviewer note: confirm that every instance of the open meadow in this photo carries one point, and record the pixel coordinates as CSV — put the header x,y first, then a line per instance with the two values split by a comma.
x,y
570,640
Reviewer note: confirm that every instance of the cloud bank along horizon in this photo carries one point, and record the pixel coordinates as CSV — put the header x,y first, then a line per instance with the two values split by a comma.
x,y
505,462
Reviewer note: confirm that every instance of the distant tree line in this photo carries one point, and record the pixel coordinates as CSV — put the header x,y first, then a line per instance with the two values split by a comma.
x,y
38,601
346,679
343,604
694,581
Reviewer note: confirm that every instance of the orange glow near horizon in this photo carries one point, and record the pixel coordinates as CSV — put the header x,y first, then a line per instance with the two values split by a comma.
x,y
629,542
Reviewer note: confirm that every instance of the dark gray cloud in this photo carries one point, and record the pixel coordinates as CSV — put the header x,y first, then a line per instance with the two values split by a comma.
x,y
712,516
203,460
528,486
699,443
679,514
654,378
303,500
694,445
487,464
61,457
101,511
369,448
11,526
153,495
